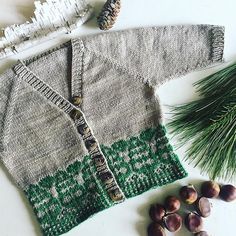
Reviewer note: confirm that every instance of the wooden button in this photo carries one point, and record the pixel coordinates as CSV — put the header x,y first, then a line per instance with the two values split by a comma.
x,y
90,144
77,100
75,114
99,160
106,177
116,195
83,129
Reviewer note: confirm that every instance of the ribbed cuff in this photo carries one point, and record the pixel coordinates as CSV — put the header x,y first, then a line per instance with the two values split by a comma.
x,y
218,33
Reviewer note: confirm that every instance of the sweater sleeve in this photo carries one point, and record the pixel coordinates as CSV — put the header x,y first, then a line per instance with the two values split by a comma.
x,y
6,82
157,54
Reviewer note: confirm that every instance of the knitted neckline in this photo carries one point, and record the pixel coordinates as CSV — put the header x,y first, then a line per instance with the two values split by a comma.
x,y
75,113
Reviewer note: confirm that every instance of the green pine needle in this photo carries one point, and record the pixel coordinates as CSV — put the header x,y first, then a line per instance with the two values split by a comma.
x,y
210,123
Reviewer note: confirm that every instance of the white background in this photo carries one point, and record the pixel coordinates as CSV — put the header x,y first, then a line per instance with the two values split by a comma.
x,y
129,218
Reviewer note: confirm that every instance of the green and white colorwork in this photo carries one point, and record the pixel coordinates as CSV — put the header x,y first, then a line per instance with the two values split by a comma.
x,y
80,126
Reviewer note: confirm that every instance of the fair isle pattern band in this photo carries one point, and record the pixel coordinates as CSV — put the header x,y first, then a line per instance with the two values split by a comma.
x,y
144,161
83,128
67,198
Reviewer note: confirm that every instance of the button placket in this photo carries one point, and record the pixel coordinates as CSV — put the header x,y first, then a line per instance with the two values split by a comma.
x,y
103,171
77,71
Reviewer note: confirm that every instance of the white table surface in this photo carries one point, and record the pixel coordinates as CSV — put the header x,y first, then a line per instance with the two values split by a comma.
x,y
129,218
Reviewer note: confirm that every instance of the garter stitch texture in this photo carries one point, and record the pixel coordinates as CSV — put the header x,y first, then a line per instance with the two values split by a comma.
x,y
80,127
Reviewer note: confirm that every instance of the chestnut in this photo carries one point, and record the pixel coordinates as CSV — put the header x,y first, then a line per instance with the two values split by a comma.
x,y
210,189
172,204
228,193
173,222
157,212
155,229
203,207
193,222
202,233
188,194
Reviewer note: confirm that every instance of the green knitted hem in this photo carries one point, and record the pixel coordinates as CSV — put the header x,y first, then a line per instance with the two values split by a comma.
x,y
67,198
144,162
72,195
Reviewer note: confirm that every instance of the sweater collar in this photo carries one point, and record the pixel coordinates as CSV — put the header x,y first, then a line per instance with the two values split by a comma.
x,y
77,57
77,54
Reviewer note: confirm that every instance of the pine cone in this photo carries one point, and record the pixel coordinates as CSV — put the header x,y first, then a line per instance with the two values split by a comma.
x,y
107,17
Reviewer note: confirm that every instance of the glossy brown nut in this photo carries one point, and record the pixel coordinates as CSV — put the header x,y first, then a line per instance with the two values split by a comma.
x,y
210,189
157,212
201,233
155,229
172,204
188,194
193,222
203,207
173,222
228,193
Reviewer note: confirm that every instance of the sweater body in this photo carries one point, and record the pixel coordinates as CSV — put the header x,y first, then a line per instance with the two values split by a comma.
x,y
81,128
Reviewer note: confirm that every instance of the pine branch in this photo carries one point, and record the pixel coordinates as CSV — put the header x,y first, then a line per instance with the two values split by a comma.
x,y
215,157
210,123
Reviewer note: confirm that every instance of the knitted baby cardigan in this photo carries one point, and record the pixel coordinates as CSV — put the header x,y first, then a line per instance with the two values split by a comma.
x,y
80,126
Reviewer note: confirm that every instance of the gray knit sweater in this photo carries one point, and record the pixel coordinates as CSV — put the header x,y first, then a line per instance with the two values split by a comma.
x,y
80,127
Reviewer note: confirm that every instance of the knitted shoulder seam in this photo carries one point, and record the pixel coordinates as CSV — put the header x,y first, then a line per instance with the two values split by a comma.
x,y
116,65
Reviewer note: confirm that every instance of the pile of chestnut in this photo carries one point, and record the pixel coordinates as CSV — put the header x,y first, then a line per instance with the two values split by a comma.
x,y
166,216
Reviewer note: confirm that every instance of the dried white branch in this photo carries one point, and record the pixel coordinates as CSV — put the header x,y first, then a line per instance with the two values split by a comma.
x,y
51,18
